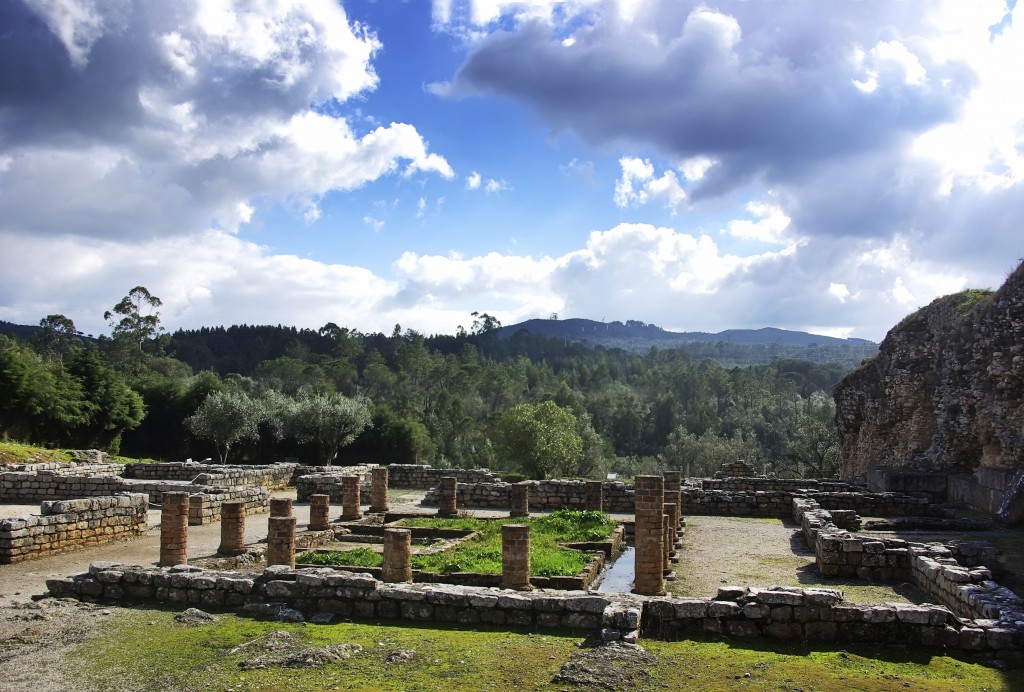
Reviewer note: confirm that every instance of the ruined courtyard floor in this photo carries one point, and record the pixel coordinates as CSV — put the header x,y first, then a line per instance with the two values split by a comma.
x,y
740,551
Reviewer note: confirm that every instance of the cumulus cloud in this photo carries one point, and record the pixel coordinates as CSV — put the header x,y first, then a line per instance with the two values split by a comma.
x,y
891,123
126,118
638,186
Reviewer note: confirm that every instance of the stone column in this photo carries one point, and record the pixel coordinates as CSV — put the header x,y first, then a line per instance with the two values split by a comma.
x,y
397,549
232,527
670,533
350,503
281,541
319,512
280,506
595,495
649,578
520,500
447,504
379,489
173,529
673,493
515,557
666,565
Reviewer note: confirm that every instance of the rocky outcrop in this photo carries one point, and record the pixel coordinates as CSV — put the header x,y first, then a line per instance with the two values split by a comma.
x,y
944,393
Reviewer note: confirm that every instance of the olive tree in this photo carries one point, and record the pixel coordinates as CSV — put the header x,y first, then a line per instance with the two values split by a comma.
x,y
540,438
224,418
330,420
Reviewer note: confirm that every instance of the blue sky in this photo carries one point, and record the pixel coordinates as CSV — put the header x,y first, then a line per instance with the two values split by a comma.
x,y
698,165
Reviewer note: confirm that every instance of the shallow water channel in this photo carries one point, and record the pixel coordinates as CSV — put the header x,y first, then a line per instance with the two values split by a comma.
x,y
618,578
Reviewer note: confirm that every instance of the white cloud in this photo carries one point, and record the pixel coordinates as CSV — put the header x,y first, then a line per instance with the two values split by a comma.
x,y
638,186
770,225
473,181
210,112
373,223
493,186
838,291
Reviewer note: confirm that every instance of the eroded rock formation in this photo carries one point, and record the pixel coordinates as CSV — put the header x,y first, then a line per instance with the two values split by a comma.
x,y
944,393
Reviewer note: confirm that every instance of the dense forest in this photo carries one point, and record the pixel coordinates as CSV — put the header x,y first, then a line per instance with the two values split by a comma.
x,y
522,404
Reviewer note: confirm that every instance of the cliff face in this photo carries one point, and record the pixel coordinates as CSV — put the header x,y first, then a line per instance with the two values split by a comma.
x,y
945,392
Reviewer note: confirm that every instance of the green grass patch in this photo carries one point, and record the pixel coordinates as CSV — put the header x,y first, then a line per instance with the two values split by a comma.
x,y
19,453
482,554
356,557
146,650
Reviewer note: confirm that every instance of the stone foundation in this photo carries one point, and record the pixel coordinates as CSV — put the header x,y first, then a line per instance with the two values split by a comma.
x,y
21,487
811,615
66,525
270,477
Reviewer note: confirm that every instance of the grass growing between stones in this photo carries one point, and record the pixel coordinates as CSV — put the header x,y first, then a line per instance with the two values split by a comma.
x,y
482,554
147,650
18,453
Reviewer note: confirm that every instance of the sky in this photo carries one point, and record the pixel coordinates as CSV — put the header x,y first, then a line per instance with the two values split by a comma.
x,y
825,167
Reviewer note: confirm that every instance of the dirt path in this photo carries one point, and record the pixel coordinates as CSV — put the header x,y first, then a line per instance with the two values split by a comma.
x,y
739,552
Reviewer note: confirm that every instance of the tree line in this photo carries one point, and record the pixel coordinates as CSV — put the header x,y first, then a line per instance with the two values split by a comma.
x,y
522,404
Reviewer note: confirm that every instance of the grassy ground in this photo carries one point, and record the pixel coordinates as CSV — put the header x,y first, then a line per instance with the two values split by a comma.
x,y
147,650
20,453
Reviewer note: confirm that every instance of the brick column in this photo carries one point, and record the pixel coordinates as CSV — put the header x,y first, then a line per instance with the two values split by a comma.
x,y
673,493
515,557
350,503
666,565
595,495
232,527
670,534
397,549
281,541
649,579
319,512
379,489
447,504
520,496
280,506
173,529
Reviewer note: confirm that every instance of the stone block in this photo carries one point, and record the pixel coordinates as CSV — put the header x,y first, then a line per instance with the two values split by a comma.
x,y
691,608
723,609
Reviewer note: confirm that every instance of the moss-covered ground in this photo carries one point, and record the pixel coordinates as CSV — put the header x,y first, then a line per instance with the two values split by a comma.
x,y
148,650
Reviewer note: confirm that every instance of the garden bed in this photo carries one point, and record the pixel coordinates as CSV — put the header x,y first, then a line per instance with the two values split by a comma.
x,y
567,551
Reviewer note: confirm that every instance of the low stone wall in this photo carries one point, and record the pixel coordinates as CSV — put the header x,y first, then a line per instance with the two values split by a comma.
x,y
956,574
814,615
820,615
330,484
544,495
204,507
66,525
68,469
204,500
271,477
419,477
770,484
346,594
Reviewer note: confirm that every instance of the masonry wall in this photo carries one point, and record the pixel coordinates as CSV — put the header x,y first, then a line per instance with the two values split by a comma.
x,y
271,477
544,495
619,497
204,506
419,477
66,525
816,615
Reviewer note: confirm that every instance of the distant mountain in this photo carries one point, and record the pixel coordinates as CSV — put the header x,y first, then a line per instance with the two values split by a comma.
x,y
735,346
20,330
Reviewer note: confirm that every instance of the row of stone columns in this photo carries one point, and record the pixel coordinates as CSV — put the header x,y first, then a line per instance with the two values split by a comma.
x,y
659,510
280,528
